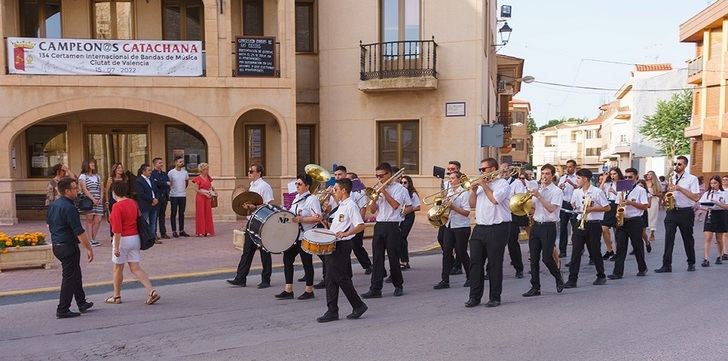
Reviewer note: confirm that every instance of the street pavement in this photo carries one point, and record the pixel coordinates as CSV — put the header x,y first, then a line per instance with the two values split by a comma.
x,y
677,316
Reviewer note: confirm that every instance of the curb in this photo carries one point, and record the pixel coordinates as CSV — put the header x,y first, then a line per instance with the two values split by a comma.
x,y
189,275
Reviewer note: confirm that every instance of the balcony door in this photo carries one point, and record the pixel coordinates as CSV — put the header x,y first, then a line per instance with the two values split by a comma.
x,y
400,22
127,144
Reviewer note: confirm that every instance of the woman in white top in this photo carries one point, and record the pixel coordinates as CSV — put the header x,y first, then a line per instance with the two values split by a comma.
x,y
654,191
89,183
456,232
308,214
409,220
714,202
609,186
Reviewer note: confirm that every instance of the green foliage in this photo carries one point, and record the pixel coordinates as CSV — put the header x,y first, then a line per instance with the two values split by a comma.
x,y
532,128
554,122
667,126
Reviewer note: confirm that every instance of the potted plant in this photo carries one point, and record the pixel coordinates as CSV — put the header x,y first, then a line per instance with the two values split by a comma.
x,y
25,250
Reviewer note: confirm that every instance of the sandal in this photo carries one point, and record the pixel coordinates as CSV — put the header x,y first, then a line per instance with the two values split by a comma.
x,y
114,300
153,297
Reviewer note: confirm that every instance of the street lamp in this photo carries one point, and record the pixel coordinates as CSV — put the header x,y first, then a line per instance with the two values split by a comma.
x,y
505,34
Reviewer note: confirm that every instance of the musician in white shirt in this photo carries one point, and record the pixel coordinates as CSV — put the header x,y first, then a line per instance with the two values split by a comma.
x,y
715,220
346,223
490,235
409,219
547,200
635,204
330,207
685,189
520,183
357,243
609,186
567,183
307,210
388,209
457,267
257,185
457,231
591,235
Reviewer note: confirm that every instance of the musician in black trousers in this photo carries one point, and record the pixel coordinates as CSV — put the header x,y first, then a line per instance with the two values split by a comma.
x,y
685,189
345,224
490,235
567,183
457,231
387,235
357,243
635,204
547,203
592,234
518,184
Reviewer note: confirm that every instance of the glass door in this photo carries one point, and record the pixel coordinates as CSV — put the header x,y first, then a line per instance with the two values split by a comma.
x,y
111,144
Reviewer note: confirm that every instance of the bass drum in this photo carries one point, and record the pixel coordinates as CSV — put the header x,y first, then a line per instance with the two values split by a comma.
x,y
271,227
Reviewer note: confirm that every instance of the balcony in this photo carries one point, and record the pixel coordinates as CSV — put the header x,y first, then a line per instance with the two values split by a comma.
x,y
398,65
695,70
707,128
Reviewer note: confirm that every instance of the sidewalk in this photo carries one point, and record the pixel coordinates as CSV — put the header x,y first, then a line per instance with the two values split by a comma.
x,y
175,258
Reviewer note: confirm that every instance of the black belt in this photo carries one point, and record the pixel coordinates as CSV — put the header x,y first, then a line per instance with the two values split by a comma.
x,y
553,223
594,221
683,208
632,218
493,225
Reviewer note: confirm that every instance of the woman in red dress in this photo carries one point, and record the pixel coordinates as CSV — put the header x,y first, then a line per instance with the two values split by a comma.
x,y
203,202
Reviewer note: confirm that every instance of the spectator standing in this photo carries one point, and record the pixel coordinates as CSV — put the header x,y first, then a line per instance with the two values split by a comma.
x,y
160,180
89,183
59,171
117,175
66,232
179,179
203,202
409,220
146,197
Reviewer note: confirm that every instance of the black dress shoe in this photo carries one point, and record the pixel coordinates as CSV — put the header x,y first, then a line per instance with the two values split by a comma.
x,y
285,295
663,269
398,291
165,236
519,274
691,268
614,277
600,281
85,307
306,296
302,279
263,285
570,284
613,258
456,271
631,253
724,257
441,285
328,317
705,263
235,282
372,294
467,283
562,255
532,292
718,261
472,302
320,285
175,234
492,303
357,312
559,284
368,271
183,234
67,314
641,273
607,255
388,279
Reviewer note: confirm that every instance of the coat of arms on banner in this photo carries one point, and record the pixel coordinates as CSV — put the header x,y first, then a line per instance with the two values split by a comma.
x,y
19,57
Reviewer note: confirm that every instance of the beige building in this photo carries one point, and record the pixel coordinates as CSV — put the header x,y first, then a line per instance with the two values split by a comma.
x,y
349,82
558,144
518,151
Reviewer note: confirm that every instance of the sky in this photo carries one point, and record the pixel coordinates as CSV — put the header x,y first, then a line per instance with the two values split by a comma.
x,y
560,39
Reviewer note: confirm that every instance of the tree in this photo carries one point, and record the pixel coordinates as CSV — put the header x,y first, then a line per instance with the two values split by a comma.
x,y
553,122
532,128
667,126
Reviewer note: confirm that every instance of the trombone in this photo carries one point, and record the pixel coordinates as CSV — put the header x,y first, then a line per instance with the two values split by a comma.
x,y
466,183
373,192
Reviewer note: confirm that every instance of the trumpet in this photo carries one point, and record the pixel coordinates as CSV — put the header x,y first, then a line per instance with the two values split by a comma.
x,y
620,210
669,200
585,213
373,192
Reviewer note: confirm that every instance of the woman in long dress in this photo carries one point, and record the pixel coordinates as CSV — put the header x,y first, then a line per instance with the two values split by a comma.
x,y
203,202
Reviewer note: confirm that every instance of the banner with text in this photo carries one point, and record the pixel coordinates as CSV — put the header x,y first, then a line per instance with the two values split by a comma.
x,y
104,57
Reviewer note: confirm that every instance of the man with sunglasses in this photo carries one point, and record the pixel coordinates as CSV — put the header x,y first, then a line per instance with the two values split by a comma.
x,y
635,200
386,232
490,235
685,189
257,185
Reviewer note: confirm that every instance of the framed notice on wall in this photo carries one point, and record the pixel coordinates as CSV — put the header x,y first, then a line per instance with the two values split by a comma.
x,y
255,56
455,109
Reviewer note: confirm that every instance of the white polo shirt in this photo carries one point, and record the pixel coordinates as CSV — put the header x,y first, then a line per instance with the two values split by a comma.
x,y
388,214
568,188
639,195
553,195
608,188
713,197
261,187
457,220
305,208
598,199
688,181
346,218
487,213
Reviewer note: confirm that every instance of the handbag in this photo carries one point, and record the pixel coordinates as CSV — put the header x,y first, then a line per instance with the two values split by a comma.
x,y
83,203
213,201
146,238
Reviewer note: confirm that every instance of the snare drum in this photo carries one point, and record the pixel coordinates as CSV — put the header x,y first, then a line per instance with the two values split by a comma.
x,y
318,242
271,228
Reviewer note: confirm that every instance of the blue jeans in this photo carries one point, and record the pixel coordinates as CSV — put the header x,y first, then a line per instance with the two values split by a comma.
x,y
150,216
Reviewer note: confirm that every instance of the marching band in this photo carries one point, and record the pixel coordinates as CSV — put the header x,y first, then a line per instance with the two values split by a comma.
x,y
505,203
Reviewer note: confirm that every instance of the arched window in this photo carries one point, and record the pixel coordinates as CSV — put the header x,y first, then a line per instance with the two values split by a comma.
x,y
185,142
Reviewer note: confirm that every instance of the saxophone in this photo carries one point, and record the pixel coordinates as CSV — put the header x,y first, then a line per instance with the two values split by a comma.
x,y
669,200
620,210
585,213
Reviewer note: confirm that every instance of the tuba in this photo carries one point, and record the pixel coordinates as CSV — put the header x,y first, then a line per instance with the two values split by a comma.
x,y
585,213
320,176
439,214
669,200
620,210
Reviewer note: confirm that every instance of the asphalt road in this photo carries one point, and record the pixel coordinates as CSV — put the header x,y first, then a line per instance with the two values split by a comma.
x,y
677,316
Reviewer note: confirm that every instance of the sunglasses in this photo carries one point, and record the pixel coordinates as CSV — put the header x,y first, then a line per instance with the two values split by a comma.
x,y
404,182
628,177
380,175
485,168
676,164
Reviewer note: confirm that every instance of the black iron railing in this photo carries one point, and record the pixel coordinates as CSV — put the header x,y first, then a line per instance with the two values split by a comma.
x,y
393,59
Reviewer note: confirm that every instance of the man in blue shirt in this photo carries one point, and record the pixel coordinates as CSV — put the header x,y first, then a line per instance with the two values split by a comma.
x,y
64,225
161,183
